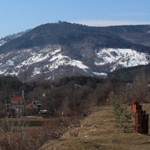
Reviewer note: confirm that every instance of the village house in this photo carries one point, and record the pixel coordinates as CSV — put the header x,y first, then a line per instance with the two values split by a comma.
x,y
20,107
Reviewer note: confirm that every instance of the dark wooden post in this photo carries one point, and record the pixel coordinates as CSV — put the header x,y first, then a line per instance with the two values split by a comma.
x,y
141,119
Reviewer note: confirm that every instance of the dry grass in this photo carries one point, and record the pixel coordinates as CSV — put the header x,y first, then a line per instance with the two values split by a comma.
x,y
25,133
99,132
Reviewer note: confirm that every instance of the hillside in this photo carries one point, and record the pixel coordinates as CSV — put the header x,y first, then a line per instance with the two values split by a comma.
x,y
98,132
64,33
134,34
128,74
55,50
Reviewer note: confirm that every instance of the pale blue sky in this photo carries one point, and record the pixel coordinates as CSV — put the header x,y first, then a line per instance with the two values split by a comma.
x,y
19,15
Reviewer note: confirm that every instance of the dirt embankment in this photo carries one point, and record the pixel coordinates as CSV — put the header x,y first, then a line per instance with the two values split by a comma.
x,y
99,132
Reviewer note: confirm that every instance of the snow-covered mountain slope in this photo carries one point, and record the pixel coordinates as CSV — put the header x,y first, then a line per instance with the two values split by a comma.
x,y
52,62
120,58
30,63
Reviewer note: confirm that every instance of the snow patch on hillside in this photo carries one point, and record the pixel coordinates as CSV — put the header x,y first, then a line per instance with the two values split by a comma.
x,y
120,57
62,60
36,71
2,42
100,74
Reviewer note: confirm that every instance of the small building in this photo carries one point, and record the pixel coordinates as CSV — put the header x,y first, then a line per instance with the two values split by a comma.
x,y
31,109
16,106
20,107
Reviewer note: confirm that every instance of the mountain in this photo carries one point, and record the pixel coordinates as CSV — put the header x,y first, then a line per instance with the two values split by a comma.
x,y
54,50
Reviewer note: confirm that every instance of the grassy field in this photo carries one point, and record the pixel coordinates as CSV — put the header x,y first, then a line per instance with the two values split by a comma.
x,y
99,132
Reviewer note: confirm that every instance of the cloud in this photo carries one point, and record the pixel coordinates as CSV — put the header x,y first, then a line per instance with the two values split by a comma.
x,y
109,22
